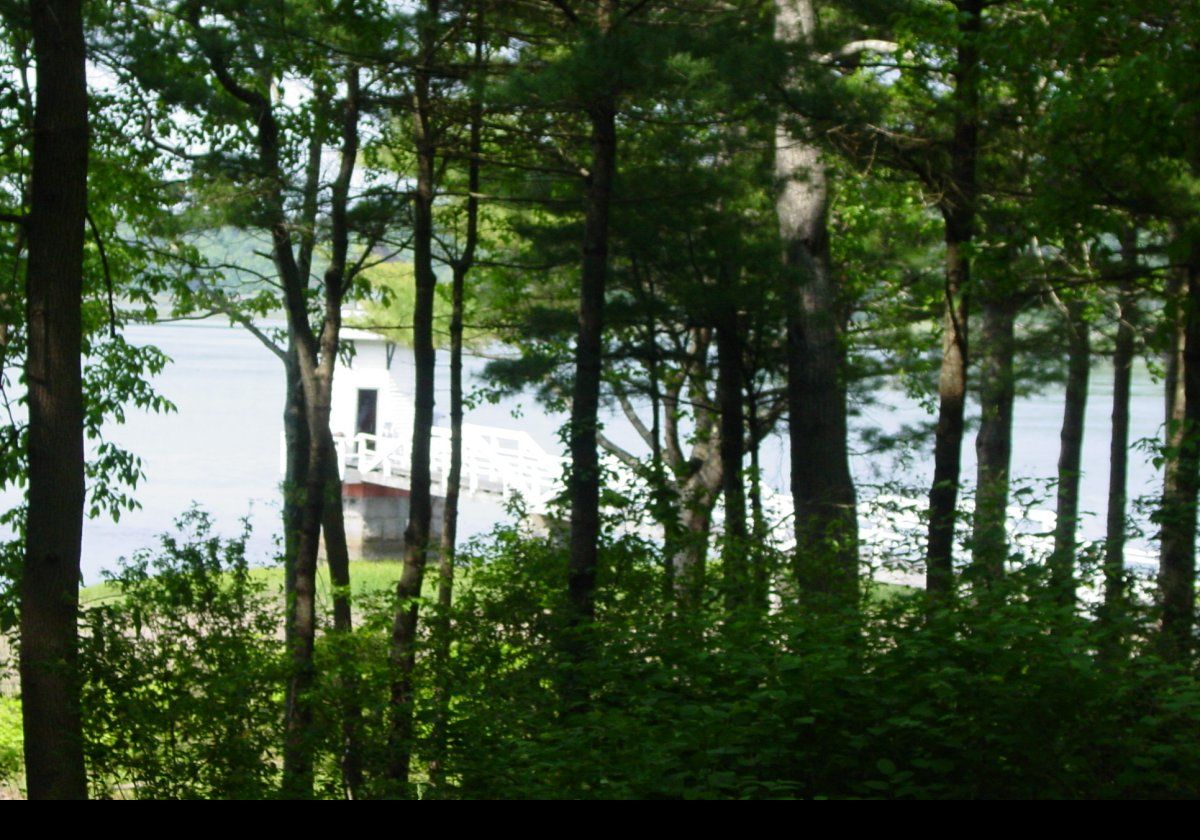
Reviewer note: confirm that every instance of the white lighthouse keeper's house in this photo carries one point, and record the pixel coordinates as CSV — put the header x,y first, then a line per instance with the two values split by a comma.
x,y
371,418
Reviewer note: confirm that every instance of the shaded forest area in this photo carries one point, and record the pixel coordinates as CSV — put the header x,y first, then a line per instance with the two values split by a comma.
x,y
723,220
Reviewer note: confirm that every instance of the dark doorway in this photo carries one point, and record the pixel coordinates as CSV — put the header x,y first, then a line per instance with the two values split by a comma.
x,y
368,401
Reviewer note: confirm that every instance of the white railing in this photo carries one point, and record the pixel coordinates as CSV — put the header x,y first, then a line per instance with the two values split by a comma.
x,y
495,462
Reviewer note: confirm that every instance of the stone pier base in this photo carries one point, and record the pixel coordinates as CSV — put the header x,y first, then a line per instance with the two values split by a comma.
x,y
376,517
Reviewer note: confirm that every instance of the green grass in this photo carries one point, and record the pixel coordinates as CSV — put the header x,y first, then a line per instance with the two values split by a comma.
x,y
367,577
11,742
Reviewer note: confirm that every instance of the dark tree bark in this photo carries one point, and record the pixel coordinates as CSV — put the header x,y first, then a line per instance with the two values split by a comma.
x,y
1177,515
1123,355
318,358
461,266
993,446
1070,455
958,211
760,574
315,354
54,766
449,537
420,510
301,624
295,433
729,398
826,522
584,480
337,557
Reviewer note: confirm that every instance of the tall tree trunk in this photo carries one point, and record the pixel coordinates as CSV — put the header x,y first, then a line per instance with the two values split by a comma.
x,y
295,434
584,480
761,574
420,510
689,550
54,766
298,746
662,496
1177,561
1123,355
445,596
337,553
449,541
958,211
993,446
826,522
1070,455
317,355
729,398
337,556
687,544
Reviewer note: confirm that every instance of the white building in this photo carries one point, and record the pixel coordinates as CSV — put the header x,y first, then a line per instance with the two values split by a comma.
x,y
371,394
371,418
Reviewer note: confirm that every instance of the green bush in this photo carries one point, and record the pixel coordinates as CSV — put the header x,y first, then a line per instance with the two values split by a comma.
x,y
182,674
1003,695
11,741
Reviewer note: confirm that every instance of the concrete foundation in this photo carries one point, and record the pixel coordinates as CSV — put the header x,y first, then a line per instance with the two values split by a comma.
x,y
376,517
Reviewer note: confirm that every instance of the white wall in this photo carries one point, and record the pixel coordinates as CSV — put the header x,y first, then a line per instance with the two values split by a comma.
x,y
368,369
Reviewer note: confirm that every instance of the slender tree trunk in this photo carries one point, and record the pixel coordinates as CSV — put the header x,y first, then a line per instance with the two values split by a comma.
x,y
947,452
729,397
826,522
317,355
295,433
1177,562
1070,456
687,546
337,556
337,553
445,596
442,632
663,499
1123,355
758,523
53,734
297,447
584,480
958,210
993,446
420,511
298,746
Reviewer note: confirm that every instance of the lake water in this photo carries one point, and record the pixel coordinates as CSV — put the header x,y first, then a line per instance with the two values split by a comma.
x,y
221,448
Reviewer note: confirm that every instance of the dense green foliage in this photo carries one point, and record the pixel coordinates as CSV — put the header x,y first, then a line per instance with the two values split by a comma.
x,y
716,220
181,673
10,741
1006,697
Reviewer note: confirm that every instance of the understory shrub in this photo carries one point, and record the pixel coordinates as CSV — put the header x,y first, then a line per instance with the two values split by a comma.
x,y
1002,693
183,673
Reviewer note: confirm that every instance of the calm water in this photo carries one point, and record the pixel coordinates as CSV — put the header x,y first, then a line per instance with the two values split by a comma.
x,y
221,448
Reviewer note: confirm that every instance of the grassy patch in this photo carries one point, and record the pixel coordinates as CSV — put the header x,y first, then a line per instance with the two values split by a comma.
x,y
367,577
11,743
